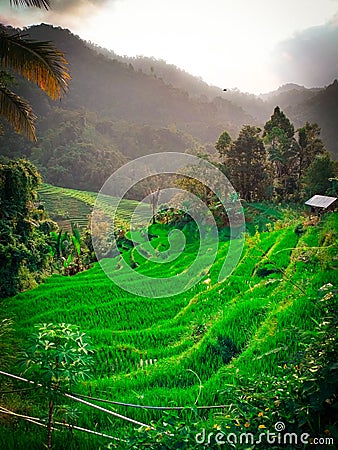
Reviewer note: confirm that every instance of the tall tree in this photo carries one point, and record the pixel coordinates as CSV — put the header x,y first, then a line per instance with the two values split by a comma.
x,y
223,143
247,164
282,149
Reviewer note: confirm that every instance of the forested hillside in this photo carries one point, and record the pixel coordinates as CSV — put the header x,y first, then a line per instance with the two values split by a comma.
x,y
118,109
112,113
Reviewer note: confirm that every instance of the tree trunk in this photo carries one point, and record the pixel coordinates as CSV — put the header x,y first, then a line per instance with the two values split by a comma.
x,y
50,424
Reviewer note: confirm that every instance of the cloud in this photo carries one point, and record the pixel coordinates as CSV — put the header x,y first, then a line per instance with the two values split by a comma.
x,y
77,6
62,12
310,57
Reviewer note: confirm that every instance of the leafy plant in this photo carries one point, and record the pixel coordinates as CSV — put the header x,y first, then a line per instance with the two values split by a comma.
x,y
57,356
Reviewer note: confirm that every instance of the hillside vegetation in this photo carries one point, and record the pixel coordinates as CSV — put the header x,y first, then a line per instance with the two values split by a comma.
x,y
118,109
243,343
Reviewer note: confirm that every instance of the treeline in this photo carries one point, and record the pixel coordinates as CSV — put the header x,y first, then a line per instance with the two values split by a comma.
x,y
278,162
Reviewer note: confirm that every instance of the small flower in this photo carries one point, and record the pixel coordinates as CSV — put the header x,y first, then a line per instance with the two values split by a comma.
x,y
266,409
227,416
261,426
246,424
237,424
285,366
147,429
227,426
216,426
327,432
260,414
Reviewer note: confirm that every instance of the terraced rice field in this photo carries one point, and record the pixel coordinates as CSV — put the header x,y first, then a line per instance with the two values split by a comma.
x,y
155,351
67,206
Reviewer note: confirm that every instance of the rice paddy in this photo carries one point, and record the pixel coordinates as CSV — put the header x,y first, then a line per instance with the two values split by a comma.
x,y
67,206
158,352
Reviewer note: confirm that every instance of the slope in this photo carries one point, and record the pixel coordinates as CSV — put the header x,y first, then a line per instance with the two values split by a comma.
x,y
148,351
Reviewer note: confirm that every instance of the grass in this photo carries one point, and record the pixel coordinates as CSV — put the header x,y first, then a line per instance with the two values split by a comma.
x,y
154,351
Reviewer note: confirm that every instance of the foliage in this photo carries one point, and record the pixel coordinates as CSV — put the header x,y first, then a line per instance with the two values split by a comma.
x,y
246,161
23,227
39,62
169,433
302,394
317,176
223,143
59,357
281,146
110,123
71,253
286,167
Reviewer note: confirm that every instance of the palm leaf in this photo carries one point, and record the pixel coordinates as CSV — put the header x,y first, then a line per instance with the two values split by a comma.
x,y
40,62
37,3
18,112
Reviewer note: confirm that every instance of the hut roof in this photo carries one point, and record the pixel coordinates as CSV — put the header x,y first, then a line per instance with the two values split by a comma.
x,y
320,201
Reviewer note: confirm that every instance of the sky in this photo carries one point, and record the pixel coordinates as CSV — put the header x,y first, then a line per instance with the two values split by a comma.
x,y
253,45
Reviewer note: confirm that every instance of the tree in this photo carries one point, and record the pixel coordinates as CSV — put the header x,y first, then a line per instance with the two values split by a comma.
x,y
279,120
223,143
282,149
39,62
247,164
70,252
310,146
57,356
318,176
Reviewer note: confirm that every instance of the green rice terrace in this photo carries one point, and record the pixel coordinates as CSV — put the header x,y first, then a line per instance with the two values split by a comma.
x,y
230,357
67,206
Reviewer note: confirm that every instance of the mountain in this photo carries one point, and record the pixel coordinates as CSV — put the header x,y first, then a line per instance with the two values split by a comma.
x,y
321,108
289,94
119,108
297,100
113,113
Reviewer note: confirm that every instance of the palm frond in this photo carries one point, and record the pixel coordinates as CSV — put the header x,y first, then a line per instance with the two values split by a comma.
x,y
18,112
39,62
37,3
